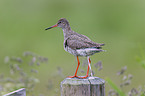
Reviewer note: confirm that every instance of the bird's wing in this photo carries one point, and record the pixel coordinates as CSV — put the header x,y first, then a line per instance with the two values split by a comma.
x,y
75,42
82,36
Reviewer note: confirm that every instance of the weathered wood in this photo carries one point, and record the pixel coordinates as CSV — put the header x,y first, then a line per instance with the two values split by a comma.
x,y
91,86
20,92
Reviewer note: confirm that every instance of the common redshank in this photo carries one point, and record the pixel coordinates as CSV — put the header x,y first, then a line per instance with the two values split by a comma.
x,y
77,44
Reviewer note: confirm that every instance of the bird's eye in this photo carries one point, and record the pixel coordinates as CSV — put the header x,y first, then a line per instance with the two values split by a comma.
x,y
59,22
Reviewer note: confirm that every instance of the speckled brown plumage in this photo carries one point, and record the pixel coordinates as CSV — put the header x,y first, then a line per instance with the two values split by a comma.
x,y
77,44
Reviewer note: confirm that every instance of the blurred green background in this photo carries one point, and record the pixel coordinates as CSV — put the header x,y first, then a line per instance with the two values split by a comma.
x,y
118,24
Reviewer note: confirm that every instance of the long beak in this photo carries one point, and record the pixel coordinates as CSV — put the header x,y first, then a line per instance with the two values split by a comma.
x,y
51,27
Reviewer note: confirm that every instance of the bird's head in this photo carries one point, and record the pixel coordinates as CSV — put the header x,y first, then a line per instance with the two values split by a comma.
x,y
62,23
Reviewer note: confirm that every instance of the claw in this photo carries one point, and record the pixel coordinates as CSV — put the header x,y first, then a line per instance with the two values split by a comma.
x,y
83,77
80,77
73,76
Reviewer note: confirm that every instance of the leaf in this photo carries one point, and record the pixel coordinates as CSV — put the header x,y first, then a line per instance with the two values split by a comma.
x,y
119,91
141,60
143,94
143,63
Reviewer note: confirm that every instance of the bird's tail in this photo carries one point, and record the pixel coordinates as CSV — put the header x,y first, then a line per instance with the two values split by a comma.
x,y
102,44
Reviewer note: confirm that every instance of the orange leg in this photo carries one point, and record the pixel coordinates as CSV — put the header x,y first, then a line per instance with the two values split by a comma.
x,y
90,67
89,61
76,69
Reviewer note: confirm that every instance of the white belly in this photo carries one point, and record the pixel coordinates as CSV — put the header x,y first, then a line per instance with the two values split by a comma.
x,y
83,52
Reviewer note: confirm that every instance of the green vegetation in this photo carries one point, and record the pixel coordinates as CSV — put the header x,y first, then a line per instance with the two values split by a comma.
x,y
118,24
19,77
115,87
126,81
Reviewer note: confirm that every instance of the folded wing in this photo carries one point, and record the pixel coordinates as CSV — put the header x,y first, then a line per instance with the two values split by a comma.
x,y
77,42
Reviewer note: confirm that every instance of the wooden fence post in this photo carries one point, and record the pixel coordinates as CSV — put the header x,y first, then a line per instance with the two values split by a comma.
x,y
20,92
91,86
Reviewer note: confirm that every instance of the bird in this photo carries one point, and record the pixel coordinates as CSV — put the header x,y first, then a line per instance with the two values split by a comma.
x,y
78,45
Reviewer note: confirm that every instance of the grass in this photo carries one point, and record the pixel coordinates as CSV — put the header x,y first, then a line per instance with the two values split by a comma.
x,y
126,81
19,78
118,24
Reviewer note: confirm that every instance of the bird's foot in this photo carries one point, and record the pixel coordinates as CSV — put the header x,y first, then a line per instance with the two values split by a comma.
x,y
73,76
83,77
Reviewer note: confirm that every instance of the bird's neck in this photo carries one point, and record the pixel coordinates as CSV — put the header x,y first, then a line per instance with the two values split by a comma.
x,y
67,32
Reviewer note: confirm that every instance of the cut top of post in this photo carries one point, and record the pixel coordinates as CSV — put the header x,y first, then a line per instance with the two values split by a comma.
x,y
91,86
89,80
